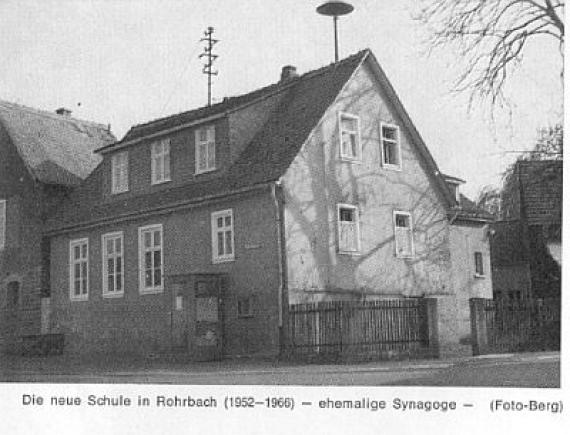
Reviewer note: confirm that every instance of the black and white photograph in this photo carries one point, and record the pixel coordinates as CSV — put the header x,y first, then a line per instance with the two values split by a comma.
x,y
281,216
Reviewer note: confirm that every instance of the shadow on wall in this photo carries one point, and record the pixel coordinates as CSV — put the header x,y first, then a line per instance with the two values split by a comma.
x,y
321,181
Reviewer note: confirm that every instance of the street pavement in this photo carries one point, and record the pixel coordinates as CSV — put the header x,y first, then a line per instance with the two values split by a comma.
x,y
531,370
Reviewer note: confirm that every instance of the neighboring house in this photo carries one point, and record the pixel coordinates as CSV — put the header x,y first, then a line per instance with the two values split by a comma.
x,y
43,156
198,230
526,245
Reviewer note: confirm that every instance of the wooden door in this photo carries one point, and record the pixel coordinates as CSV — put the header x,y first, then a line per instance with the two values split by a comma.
x,y
208,331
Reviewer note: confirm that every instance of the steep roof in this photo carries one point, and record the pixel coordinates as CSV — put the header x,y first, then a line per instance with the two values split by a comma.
x,y
302,104
56,149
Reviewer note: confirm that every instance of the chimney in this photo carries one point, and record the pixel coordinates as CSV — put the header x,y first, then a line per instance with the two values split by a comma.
x,y
288,72
63,111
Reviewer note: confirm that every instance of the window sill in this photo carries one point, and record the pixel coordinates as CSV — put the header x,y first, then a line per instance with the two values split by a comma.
x,y
479,276
119,192
150,291
79,298
389,167
155,183
405,256
355,161
350,253
113,295
205,171
223,260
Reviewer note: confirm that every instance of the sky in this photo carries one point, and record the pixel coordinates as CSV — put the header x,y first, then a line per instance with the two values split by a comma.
x,y
123,62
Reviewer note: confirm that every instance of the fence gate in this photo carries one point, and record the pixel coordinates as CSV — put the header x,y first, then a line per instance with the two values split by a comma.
x,y
514,325
359,329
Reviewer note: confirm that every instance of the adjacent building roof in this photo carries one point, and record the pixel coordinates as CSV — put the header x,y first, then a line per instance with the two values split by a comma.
x,y
302,104
56,149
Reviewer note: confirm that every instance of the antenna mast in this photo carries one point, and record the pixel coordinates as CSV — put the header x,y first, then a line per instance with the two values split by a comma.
x,y
210,58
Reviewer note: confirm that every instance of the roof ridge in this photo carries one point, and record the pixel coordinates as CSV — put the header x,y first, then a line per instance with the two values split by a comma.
x,y
277,85
48,114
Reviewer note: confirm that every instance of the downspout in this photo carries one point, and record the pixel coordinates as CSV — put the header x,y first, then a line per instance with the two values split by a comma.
x,y
281,258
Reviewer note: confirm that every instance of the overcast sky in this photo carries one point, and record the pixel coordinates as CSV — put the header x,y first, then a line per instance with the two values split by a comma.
x,y
125,62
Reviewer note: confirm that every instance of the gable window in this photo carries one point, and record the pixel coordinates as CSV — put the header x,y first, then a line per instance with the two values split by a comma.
x,y
160,161
391,153
113,268
348,228
403,234
79,269
205,149
120,172
349,127
479,269
222,236
2,224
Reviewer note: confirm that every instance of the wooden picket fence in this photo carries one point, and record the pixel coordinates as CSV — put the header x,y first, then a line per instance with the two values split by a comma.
x,y
522,325
350,330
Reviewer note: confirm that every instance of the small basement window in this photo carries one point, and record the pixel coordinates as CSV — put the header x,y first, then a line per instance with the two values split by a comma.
x,y
245,307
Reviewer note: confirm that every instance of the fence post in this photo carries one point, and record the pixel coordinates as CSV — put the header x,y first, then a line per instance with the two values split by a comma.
x,y
479,340
432,329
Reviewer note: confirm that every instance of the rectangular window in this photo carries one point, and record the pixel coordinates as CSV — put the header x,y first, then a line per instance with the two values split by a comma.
x,y
348,229
151,266
479,270
245,307
391,157
120,172
403,234
222,236
349,127
205,149
113,264
160,161
79,269
2,224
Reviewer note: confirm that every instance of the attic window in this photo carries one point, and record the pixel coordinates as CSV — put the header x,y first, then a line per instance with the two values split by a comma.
x,y
391,153
160,161
349,127
205,149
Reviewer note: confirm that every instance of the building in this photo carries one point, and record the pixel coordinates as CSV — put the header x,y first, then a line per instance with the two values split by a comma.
x,y
43,156
197,231
527,241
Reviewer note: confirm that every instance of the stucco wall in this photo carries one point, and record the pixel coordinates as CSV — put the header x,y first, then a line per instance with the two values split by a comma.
x,y
141,324
465,240
318,180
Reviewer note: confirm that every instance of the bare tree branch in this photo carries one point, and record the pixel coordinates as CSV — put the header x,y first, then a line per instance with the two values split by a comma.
x,y
490,36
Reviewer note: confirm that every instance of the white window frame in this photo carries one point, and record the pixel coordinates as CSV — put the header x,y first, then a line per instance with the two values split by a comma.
x,y
119,169
3,222
72,262
160,159
216,257
358,157
398,143
209,145
142,250
411,234
477,274
105,257
356,212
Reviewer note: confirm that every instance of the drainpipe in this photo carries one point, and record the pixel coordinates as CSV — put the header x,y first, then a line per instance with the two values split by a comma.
x,y
277,201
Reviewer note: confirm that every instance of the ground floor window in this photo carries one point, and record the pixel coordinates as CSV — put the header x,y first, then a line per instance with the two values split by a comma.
x,y
79,269
151,259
